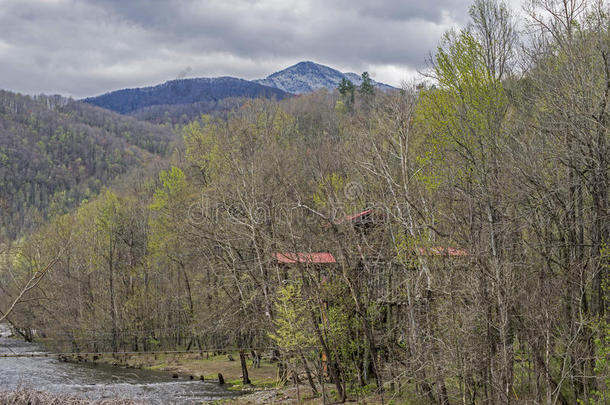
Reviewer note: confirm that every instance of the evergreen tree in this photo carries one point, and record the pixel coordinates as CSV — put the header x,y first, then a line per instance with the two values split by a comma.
x,y
347,90
366,87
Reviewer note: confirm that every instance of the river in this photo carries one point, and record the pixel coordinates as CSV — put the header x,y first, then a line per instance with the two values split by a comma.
x,y
97,381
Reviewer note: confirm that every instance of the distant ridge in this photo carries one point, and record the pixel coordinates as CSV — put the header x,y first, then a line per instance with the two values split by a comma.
x,y
184,91
175,99
305,77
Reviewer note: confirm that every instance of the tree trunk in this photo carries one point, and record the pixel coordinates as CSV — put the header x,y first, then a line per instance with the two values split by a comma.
x,y
244,368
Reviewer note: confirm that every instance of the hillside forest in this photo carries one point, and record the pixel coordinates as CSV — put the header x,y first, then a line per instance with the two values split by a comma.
x,y
55,153
446,243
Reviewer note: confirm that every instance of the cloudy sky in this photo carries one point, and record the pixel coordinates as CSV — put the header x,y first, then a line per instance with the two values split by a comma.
x,y
87,47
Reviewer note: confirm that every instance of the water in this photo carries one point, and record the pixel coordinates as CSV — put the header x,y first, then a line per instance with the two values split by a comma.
x,y
97,381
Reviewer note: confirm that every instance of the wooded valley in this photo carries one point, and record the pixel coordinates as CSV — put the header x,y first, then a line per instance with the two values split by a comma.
x,y
446,243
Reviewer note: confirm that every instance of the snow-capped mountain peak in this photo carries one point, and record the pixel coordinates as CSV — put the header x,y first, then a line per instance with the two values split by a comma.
x,y
307,76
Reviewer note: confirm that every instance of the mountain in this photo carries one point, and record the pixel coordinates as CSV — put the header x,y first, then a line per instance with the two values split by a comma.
x,y
183,92
180,101
305,77
55,152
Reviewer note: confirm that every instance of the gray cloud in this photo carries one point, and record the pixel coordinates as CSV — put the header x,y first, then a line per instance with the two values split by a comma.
x,y
83,48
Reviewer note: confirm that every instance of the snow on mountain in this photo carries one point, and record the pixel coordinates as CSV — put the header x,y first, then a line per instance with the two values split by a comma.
x,y
305,77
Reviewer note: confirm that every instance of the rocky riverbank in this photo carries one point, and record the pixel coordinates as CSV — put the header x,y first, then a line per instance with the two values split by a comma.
x,y
30,397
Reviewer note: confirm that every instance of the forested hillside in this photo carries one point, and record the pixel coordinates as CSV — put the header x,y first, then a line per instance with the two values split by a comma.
x,y
55,152
184,92
181,114
444,244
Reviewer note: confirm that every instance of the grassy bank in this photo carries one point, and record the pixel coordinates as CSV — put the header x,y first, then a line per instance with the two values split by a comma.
x,y
265,386
199,366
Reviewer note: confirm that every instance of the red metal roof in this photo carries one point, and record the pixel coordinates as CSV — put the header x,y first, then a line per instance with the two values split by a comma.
x,y
352,217
441,251
304,257
358,215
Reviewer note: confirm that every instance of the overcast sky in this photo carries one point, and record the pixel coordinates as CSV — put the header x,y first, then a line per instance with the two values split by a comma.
x,y
84,48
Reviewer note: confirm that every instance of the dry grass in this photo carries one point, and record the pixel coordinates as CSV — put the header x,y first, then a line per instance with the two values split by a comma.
x,y
29,397
206,366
